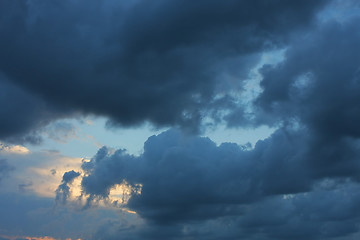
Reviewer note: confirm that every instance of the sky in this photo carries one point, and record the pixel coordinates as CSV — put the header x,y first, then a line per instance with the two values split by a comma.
x,y
179,120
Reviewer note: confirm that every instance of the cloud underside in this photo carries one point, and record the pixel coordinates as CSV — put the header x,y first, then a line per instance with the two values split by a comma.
x,y
279,186
169,63
177,64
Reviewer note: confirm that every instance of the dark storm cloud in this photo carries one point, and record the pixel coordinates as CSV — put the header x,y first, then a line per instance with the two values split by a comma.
x,y
319,81
317,87
22,113
61,131
140,61
300,183
188,178
188,182
63,191
314,215
165,62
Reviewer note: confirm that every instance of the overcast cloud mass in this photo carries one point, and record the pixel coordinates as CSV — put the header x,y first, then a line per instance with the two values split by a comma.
x,y
187,66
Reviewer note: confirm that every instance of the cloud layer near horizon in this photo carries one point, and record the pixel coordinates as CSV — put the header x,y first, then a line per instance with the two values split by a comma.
x,y
179,64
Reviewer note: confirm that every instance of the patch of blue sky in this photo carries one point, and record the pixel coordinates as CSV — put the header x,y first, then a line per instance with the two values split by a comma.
x,y
89,134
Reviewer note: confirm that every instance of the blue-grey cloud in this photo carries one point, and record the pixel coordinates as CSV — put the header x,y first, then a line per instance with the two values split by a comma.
x,y
318,82
61,131
63,190
23,187
5,168
317,87
53,171
190,183
313,96
165,62
29,215
135,62
23,114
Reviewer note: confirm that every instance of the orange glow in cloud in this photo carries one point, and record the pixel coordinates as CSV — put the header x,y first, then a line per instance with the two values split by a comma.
x,y
33,238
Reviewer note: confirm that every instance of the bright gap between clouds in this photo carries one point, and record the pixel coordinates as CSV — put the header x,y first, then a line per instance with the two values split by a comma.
x,y
88,138
89,134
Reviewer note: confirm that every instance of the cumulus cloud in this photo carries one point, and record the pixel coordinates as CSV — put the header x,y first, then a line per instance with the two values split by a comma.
x,y
318,82
188,182
317,88
63,191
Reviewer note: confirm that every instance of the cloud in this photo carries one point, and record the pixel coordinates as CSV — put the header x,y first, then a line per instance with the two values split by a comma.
x,y
317,88
13,149
61,131
27,198
27,238
33,173
186,177
177,64
318,213
134,62
22,113
23,187
5,168
320,68
190,182
63,191
28,215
